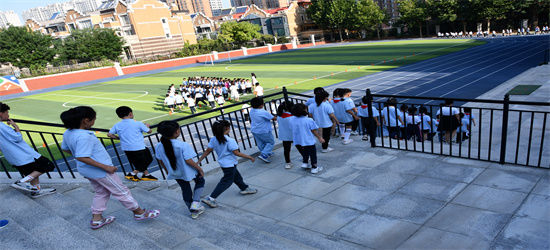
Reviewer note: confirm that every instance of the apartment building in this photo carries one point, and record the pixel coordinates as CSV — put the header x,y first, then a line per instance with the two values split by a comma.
x,y
8,18
262,4
44,13
148,27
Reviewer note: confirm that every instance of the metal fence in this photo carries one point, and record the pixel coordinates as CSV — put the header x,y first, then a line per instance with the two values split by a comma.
x,y
505,132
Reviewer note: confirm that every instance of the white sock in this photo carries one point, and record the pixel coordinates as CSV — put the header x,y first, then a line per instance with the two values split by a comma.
x,y
27,179
342,129
347,134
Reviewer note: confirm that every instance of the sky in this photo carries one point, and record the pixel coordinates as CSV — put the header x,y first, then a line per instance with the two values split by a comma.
x,y
20,5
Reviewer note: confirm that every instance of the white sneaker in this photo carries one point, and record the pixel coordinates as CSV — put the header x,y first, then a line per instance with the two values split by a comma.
x,y
25,186
42,192
304,165
195,205
288,166
365,137
354,133
346,142
329,149
316,170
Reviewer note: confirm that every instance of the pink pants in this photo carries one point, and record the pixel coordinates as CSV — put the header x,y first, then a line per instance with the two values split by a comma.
x,y
107,186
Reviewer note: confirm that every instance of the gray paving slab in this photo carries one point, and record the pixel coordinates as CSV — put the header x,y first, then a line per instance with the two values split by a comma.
x,y
311,187
16,237
437,189
273,178
277,205
514,181
367,160
322,217
431,238
497,200
353,196
377,232
197,244
469,221
232,197
407,166
525,233
382,180
536,207
454,172
406,207
543,187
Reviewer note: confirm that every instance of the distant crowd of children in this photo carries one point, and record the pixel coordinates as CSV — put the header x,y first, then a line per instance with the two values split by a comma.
x,y
300,124
206,92
505,32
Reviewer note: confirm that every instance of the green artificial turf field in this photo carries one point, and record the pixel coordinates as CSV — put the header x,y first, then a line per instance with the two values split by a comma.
x,y
299,70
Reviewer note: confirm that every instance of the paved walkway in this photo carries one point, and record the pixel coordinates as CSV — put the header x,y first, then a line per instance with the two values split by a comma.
x,y
365,198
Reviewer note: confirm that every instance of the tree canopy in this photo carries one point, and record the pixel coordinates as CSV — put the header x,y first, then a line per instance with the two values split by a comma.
x,y
23,48
91,45
239,32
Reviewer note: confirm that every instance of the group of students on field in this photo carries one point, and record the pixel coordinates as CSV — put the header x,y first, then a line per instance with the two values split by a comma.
x,y
209,91
486,33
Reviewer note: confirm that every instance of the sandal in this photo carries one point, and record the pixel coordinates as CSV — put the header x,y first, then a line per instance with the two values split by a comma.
x,y
99,224
148,214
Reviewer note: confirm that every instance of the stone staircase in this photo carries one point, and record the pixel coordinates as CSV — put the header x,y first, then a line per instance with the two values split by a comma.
x,y
61,221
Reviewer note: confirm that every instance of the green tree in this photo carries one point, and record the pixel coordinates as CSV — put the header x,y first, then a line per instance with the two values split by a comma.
x,y
91,45
318,11
493,9
442,11
466,12
239,32
413,13
23,48
368,16
335,15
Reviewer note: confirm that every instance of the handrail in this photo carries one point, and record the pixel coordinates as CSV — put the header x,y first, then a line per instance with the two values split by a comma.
x,y
464,100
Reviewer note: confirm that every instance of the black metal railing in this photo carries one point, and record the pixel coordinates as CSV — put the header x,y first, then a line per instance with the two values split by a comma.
x,y
196,132
522,126
501,134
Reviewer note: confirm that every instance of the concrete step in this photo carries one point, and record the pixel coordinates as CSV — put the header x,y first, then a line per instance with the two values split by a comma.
x,y
74,205
300,237
215,229
15,237
45,226
260,223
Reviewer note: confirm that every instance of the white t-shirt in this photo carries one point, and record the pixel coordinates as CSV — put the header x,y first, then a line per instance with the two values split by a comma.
x,y
191,102
448,111
259,91
210,98
248,84
179,99
169,100
220,100
412,119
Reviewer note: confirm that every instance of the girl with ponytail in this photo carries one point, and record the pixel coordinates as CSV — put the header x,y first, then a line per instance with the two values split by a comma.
x,y
176,157
227,150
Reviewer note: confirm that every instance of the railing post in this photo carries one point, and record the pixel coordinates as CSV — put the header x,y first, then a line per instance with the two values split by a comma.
x,y
504,136
369,100
285,95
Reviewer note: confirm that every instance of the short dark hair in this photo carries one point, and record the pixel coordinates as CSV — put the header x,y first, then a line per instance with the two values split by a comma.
x,y
257,84
299,110
318,90
284,106
365,100
123,111
4,107
73,117
256,102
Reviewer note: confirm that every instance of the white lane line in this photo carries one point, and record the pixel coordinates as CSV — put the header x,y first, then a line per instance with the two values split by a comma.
x,y
492,73
462,76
